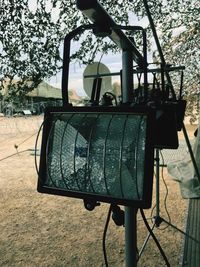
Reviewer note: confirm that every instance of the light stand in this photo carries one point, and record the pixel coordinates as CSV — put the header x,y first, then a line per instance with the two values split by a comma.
x,y
157,218
96,13
76,142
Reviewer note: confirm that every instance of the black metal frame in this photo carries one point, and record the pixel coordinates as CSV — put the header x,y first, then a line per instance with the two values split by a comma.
x,y
127,46
145,202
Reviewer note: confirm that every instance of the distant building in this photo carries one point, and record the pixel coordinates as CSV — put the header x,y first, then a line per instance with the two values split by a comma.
x,y
36,100
45,91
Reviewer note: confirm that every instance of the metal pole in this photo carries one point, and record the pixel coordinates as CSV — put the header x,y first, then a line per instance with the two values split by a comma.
x,y
130,212
127,77
157,184
131,236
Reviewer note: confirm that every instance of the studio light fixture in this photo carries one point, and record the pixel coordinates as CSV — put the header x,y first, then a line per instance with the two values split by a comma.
x,y
104,152
98,154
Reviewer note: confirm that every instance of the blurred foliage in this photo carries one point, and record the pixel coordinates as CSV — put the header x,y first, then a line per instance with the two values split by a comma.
x,y
180,39
32,33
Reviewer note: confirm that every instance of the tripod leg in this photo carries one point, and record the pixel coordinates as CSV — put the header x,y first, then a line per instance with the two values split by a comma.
x,y
182,232
146,241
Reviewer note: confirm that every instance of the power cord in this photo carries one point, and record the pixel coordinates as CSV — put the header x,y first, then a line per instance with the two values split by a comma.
x,y
118,218
17,145
17,153
36,145
167,192
104,236
166,195
148,228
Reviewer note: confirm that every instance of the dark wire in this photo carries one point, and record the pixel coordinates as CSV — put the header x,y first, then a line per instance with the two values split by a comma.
x,y
104,236
154,238
17,145
151,216
167,192
19,152
166,195
36,144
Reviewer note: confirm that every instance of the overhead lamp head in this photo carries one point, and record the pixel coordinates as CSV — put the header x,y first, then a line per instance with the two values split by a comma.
x,y
100,153
106,26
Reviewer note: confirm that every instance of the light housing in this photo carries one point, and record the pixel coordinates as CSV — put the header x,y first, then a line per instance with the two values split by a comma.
x,y
98,153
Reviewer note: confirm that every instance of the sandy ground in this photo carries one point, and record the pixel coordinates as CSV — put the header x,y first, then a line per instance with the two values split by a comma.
x,y
45,230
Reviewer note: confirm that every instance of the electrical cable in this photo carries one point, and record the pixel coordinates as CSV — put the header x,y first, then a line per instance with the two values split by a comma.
x,y
17,145
104,236
151,216
36,145
47,148
167,193
154,238
19,152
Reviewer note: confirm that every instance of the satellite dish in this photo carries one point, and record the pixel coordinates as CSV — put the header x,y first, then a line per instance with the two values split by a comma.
x,y
94,69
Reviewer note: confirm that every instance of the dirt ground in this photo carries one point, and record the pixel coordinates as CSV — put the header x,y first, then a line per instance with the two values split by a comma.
x,y
52,231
